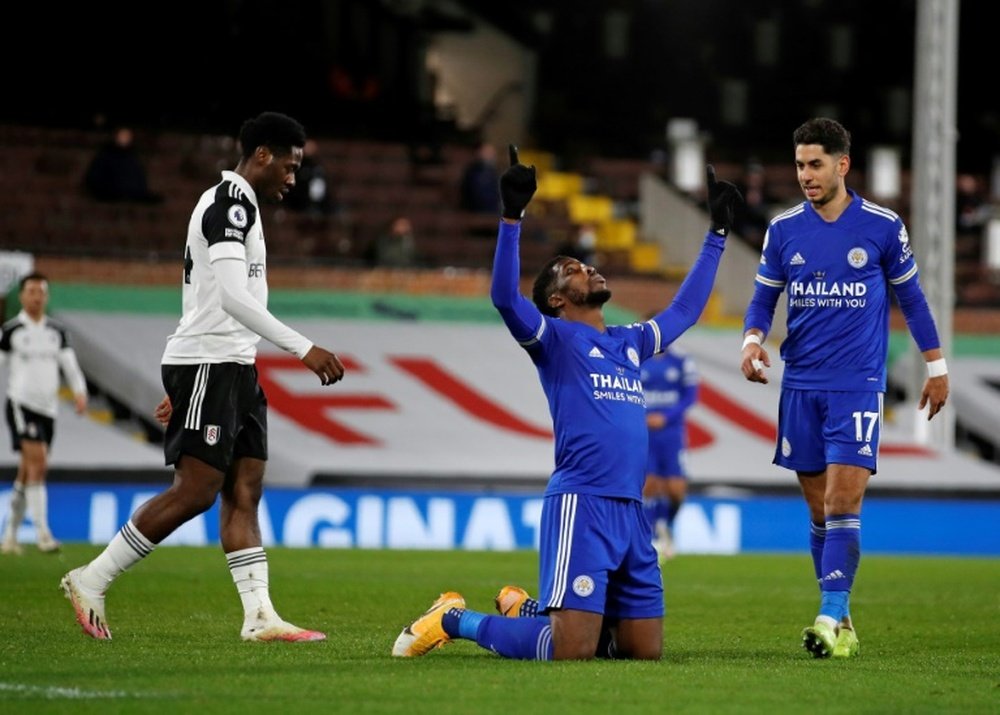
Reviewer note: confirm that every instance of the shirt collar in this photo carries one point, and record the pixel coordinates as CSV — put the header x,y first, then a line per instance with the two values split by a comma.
x,y
242,183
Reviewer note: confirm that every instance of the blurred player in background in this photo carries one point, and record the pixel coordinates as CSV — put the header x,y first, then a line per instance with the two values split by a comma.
x,y
215,410
670,384
835,255
597,561
36,349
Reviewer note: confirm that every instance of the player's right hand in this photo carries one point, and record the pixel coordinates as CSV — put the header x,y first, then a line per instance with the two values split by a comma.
x,y
755,359
163,411
517,185
325,364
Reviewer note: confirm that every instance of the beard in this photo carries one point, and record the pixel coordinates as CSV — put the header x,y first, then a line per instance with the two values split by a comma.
x,y
598,297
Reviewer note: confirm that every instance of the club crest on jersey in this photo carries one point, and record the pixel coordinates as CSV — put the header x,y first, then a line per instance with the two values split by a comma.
x,y
212,434
583,586
237,216
633,356
786,447
857,257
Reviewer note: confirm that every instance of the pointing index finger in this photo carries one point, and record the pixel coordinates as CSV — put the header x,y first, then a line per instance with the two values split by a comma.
x,y
512,150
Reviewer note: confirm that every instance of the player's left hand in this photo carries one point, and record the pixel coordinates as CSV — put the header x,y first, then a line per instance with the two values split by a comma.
x,y
723,198
934,395
80,403
517,186
163,411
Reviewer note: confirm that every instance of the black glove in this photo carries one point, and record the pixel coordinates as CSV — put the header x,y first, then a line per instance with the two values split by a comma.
x,y
722,199
517,186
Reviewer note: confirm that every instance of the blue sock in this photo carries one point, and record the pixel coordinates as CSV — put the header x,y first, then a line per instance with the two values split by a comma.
x,y
461,623
518,638
672,507
841,556
662,506
834,604
817,538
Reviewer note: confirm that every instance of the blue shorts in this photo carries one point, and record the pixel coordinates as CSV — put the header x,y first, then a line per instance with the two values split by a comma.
x,y
667,456
819,427
596,555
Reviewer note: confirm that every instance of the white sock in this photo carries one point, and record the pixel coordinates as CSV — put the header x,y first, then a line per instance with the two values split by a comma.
x,y
249,569
127,548
828,621
16,513
37,499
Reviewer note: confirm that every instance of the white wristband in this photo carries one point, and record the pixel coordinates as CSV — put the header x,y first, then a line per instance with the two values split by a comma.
x,y
751,338
937,368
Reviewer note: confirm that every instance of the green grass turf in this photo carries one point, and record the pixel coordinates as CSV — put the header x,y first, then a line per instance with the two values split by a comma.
x,y
930,640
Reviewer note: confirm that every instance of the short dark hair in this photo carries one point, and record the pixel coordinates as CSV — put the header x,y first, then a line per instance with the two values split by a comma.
x,y
36,276
828,133
278,132
545,286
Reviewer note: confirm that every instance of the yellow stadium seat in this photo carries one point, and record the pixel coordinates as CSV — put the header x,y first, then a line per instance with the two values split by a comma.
x,y
617,234
558,185
543,161
590,209
645,257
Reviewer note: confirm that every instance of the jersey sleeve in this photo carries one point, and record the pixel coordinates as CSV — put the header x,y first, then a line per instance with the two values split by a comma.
x,y
768,283
898,260
227,221
900,267
72,372
237,301
689,302
524,321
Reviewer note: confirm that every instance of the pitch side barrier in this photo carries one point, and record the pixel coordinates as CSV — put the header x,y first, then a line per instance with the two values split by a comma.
x,y
399,519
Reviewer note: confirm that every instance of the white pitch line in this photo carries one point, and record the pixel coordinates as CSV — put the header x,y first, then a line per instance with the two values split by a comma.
x,y
56,693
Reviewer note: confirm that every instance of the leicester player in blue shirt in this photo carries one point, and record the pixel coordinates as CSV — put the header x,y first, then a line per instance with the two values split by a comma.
x,y
835,256
596,557
670,384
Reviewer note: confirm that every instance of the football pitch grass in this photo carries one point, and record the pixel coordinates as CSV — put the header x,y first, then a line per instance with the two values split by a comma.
x,y
930,639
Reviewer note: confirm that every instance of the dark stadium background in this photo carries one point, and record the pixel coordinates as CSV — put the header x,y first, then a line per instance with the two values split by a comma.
x,y
206,66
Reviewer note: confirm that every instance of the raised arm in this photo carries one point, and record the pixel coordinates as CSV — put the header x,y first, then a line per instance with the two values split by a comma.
x,y
517,186
688,304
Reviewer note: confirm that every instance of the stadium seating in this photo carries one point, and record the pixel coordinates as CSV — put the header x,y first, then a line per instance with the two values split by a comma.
x,y
46,212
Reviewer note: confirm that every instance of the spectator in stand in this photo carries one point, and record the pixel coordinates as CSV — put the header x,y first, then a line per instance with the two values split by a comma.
x,y
395,247
116,172
972,211
481,182
581,245
753,216
311,193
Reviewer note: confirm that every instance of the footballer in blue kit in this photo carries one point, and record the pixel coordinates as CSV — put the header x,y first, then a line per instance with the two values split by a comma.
x,y
670,384
598,568
835,257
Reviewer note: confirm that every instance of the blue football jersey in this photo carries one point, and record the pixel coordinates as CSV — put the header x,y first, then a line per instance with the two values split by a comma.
x,y
670,382
591,378
836,277
594,390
